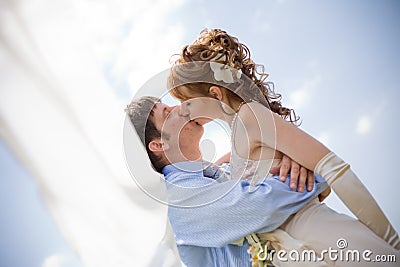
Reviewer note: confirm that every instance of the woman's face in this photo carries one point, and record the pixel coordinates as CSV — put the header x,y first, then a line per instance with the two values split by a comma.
x,y
202,109
199,108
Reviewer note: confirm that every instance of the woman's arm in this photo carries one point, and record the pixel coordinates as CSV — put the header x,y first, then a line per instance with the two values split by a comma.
x,y
265,128
224,159
260,124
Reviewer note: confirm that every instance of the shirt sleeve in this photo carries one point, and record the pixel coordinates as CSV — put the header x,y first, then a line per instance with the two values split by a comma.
x,y
219,213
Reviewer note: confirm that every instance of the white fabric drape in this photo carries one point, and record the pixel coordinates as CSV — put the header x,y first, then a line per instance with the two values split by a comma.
x,y
62,121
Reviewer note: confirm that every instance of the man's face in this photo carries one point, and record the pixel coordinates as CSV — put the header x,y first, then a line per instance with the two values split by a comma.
x,y
176,128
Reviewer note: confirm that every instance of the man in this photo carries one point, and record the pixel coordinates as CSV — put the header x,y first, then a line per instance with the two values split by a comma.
x,y
208,214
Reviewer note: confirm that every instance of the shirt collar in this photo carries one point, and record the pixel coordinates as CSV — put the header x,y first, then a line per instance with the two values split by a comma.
x,y
184,166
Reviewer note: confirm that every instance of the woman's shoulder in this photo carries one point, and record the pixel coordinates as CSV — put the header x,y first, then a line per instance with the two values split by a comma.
x,y
253,111
252,106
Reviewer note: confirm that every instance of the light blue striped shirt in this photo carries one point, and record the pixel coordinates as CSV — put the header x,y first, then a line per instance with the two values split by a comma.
x,y
207,214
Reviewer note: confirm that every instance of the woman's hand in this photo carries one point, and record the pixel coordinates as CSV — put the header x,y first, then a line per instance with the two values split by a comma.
x,y
224,159
299,175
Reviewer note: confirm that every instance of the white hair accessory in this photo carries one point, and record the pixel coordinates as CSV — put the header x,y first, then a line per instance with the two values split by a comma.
x,y
224,72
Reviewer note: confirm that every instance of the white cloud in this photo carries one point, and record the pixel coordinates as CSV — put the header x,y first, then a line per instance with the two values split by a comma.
x,y
53,261
364,125
302,96
312,64
298,98
147,47
366,121
261,21
324,138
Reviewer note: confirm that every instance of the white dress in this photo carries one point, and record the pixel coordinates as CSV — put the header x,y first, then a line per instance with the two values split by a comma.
x,y
316,227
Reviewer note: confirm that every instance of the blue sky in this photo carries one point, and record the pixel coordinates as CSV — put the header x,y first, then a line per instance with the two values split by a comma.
x,y
335,62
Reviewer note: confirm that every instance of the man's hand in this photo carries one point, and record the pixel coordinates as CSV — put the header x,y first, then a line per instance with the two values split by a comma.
x,y
299,176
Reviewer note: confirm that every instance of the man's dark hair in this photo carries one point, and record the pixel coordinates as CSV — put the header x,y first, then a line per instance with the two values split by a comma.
x,y
140,112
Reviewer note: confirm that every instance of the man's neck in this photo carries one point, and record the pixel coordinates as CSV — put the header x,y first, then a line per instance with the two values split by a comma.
x,y
191,155
185,155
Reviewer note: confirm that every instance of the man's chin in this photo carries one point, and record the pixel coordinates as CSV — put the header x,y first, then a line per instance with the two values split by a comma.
x,y
199,123
200,130
202,122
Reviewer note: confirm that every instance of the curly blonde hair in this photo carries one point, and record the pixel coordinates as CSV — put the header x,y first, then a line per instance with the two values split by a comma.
x,y
208,46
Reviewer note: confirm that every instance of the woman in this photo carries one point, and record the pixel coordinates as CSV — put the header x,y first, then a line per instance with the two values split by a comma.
x,y
215,78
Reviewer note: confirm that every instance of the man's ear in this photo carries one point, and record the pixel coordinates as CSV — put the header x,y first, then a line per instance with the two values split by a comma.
x,y
216,92
158,146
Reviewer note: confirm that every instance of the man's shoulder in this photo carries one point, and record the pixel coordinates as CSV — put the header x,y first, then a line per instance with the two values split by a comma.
x,y
185,174
181,168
